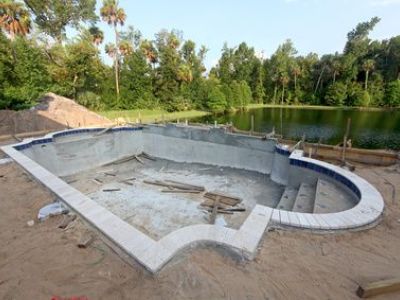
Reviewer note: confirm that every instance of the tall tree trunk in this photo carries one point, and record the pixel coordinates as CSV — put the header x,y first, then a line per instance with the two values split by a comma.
x,y
295,82
334,76
275,92
116,61
283,93
319,80
366,79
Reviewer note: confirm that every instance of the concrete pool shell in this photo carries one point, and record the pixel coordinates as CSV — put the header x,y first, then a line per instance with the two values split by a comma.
x,y
69,152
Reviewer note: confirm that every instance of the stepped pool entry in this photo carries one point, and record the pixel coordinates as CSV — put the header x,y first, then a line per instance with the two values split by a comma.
x,y
97,173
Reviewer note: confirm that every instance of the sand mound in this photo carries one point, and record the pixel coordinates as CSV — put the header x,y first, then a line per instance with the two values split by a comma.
x,y
52,112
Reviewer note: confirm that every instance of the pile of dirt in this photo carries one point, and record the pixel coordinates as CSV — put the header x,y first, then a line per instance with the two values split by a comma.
x,y
53,112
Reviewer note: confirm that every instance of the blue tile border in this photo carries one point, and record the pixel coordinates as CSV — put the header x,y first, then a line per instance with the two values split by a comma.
x,y
282,151
325,171
39,141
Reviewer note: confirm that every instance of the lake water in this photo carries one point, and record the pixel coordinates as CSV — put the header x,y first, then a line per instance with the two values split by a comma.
x,y
369,129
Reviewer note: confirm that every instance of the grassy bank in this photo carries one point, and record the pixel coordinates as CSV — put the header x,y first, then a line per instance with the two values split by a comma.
x,y
149,116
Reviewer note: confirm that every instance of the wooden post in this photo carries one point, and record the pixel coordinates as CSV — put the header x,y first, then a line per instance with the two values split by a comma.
x,y
252,125
214,211
345,140
215,124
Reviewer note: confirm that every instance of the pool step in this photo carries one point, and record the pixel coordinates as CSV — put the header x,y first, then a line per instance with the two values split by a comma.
x,y
287,199
305,199
330,198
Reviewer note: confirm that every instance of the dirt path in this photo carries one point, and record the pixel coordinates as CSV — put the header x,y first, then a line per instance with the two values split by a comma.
x,y
42,261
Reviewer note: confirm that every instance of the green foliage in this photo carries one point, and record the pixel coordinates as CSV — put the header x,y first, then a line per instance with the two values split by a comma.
x,y
216,99
53,16
392,96
336,94
136,83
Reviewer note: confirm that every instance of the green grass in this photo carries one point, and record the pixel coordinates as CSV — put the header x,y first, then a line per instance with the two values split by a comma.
x,y
149,116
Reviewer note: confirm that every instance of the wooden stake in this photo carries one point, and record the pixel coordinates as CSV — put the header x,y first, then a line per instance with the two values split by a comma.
x,y
252,125
345,140
85,241
379,288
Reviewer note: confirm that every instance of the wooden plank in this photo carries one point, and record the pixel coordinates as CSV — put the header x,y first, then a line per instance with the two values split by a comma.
x,y
213,215
139,160
187,185
379,288
111,190
182,191
166,184
145,155
68,219
224,198
210,203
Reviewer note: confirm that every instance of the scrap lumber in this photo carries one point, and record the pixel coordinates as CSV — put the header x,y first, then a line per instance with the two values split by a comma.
x,y
210,203
138,159
110,174
224,198
98,181
85,241
187,185
103,131
214,212
111,190
219,211
379,288
171,185
148,156
182,191
68,219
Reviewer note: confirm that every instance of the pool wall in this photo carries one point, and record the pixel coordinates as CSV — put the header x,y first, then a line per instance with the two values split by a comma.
x,y
71,151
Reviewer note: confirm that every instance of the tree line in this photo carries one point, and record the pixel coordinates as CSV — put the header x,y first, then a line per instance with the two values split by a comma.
x,y
168,71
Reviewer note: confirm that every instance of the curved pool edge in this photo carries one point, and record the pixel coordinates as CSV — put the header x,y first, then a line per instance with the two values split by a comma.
x,y
153,255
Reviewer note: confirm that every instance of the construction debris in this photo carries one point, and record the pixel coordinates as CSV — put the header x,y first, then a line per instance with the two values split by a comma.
x,y
149,157
97,181
224,198
68,219
111,190
52,209
30,223
175,185
110,174
138,159
182,191
214,210
379,288
85,241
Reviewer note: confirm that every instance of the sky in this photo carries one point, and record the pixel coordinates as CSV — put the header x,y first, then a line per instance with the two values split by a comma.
x,y
318,26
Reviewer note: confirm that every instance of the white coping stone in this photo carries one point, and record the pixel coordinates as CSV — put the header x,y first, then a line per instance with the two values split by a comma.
x,y
276,216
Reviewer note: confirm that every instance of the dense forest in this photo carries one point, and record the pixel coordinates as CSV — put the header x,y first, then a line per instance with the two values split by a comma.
x,y
168,71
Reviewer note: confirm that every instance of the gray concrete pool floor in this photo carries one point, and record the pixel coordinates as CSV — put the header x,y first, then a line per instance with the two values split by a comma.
x,y
156,213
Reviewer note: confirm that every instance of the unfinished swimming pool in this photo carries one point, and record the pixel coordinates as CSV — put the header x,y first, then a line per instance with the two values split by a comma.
x,y
151,190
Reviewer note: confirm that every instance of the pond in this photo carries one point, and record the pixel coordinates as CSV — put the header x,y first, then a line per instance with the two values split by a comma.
x,y
370,129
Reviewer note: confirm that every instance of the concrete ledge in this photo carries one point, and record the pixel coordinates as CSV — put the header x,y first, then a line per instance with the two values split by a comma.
x,y
368,210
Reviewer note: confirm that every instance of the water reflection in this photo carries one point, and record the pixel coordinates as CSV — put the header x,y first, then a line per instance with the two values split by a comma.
x,y
369,129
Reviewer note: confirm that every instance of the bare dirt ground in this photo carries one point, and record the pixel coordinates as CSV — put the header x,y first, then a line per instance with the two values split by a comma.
x,y
43,261
52,113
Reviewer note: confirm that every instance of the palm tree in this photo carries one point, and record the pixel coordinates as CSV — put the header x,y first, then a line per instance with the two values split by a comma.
x,y
149,51
296,71
14,18
336,67
368,66
111,50
284,79
114,15
125,48
185,73
97,35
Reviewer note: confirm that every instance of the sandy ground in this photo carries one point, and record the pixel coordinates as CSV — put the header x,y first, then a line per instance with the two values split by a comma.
x,y
53,112
42,261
